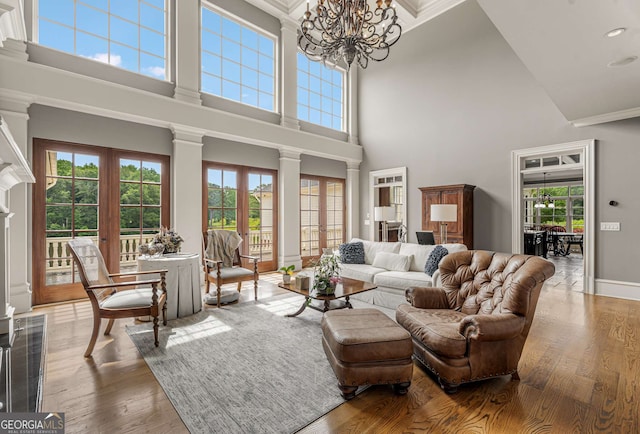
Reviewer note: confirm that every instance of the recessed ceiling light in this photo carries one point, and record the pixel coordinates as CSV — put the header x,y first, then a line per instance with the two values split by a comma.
x,y
623,62
615,32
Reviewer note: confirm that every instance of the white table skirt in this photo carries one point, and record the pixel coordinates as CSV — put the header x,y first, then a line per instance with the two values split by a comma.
x,y
183,281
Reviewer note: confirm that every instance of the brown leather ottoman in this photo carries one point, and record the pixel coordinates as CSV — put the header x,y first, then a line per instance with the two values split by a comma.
x,y
364,346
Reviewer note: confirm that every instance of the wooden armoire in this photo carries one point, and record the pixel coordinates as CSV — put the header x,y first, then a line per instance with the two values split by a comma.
x,y
460,231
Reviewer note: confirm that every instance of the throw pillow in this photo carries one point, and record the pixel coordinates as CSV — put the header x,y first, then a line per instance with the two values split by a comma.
x,y
352,253
434,258
392,261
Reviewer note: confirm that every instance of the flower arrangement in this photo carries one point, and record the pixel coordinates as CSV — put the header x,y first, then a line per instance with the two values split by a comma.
x,y
326,274
169,238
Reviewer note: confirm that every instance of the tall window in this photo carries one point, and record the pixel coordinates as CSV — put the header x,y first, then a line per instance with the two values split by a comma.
x,y
130,34
238,62
320,94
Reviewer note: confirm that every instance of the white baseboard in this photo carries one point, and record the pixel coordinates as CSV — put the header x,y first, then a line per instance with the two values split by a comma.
x,y
614,288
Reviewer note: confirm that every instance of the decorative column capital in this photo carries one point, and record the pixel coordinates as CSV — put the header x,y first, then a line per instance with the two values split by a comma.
x,y
287,24
287,154
186,135
353,166
15,103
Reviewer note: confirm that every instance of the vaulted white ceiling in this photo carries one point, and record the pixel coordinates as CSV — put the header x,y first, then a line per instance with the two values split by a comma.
x,y
561,42
411,12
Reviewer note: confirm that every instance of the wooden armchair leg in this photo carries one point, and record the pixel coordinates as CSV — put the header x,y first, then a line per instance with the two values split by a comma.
x,y
164,313
94,335
219,290
109,326
255,289
239,286
155,331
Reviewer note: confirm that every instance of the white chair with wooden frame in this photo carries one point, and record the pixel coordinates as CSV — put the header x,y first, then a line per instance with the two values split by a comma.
x,y
223,262
114,300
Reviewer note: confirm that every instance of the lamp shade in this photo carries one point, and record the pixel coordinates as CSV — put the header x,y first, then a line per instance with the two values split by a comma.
x,y
384,213
444,213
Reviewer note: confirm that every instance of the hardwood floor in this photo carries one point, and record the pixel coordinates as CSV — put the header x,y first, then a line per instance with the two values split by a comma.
x,y
579,373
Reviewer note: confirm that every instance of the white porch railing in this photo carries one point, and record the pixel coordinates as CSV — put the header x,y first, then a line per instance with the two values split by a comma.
x,y
58,260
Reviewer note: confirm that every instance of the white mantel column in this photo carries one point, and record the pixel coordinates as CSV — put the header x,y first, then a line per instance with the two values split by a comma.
x,y
6,310
186,180
187,52
352,104
289,209
289,75
14,112
353,199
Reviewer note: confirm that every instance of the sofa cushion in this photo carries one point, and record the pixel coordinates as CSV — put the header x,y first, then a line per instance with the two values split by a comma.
x,y
402,279
419,254
352,253
437,329
434,259
371,248
392,261
360,271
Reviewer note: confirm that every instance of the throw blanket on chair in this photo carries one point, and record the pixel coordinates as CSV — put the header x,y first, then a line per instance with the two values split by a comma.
x,y
222,245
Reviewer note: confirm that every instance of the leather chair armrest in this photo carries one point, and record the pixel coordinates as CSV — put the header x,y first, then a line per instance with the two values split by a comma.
x,y
427,298
494,327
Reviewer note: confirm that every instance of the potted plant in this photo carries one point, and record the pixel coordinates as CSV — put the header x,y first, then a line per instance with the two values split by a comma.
x,y
287,272
326,274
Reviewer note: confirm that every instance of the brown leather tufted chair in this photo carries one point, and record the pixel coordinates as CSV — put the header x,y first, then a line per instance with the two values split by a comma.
x,y
475,326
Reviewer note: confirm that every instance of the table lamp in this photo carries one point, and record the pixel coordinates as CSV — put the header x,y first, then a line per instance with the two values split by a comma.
x,y
444,213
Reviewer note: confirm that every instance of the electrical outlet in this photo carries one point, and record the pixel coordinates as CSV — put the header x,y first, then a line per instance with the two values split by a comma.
x,y
610,226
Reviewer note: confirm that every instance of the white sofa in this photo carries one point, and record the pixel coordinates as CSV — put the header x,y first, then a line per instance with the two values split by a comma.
x,y
392,284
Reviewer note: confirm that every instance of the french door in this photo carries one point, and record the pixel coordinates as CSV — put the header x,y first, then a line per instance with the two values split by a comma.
x,y
117,198
322,215
243,199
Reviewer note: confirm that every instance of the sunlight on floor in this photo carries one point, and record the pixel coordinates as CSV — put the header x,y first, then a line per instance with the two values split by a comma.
x,y
282,306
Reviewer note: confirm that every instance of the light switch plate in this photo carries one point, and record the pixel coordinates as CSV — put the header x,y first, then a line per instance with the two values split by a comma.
x,y
610,226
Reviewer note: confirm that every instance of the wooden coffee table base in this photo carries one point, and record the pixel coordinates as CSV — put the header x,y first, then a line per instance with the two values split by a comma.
x,y
324,307
338,300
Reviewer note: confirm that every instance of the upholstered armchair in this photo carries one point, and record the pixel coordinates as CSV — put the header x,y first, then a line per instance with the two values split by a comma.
x,y
475,325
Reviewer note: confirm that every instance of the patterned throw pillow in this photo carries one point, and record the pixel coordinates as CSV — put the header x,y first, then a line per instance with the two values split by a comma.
x,y
352,253
434,258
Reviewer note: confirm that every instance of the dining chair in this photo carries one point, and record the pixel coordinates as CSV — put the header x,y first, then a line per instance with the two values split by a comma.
x,y
113,300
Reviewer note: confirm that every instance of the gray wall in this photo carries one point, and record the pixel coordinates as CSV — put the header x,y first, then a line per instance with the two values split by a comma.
x,y
453,100
70,126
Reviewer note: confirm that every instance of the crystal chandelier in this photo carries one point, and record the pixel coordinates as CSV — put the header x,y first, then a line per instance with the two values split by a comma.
x,y
349,29
544,201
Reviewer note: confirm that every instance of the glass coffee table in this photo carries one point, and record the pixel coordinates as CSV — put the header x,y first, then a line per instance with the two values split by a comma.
x,y
338,300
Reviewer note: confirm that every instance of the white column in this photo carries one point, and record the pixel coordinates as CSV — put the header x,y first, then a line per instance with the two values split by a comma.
x,y
352,105
187,52
353,199
6,310
289,209
186,179
289,74
14,112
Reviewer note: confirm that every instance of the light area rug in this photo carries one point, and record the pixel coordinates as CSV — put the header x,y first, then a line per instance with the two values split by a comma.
x,y
244,368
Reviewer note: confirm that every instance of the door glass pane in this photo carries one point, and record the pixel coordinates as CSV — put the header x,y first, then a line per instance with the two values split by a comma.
x,y
72,183
260,218
140,208
222,199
